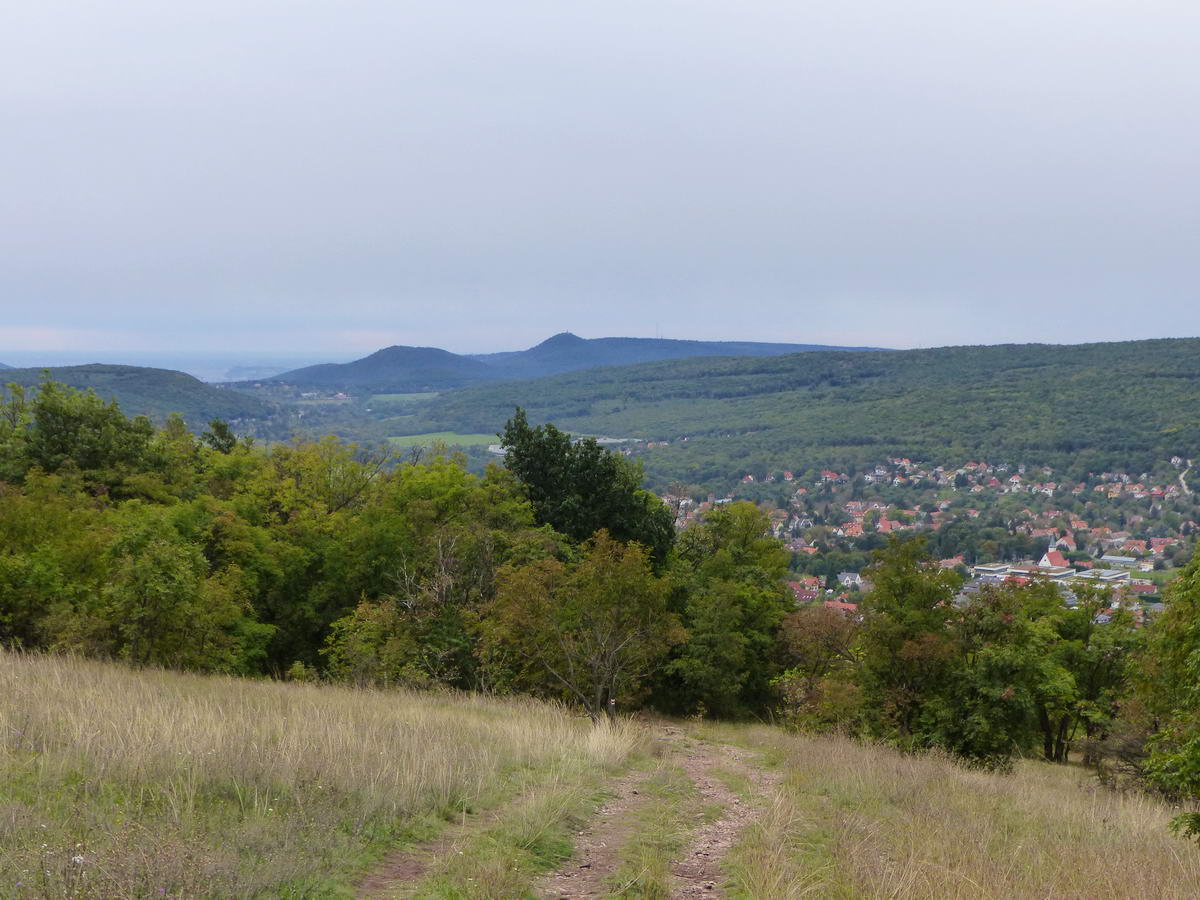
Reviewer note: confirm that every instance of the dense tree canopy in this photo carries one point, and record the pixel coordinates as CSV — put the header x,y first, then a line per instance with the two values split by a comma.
x,y
592,627
578,487
1172,690
322,559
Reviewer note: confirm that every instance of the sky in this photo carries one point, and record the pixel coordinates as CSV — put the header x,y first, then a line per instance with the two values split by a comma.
x,y
315,180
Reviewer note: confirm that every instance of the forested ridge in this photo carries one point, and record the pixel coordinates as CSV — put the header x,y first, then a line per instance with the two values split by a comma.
x,y
155,393
1124,406
430,368
555,575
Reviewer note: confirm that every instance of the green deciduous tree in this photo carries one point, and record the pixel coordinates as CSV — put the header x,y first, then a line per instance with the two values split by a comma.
x,y
421,558
983,711
732,598
579,487
1083,668
1172,688
76,429
907,653
590,629
162,606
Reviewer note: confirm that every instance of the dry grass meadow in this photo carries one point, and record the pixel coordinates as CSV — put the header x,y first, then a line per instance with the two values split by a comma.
x,y
116,783
852,820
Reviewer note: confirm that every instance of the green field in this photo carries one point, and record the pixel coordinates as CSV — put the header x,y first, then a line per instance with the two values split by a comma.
x,y
403,398
453,438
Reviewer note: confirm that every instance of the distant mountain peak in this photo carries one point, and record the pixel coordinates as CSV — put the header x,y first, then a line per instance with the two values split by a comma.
x,y
402,349
393,369
562,339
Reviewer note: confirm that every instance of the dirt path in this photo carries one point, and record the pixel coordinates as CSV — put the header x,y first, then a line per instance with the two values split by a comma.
x,y
586,873
411,864
698,872
1183,478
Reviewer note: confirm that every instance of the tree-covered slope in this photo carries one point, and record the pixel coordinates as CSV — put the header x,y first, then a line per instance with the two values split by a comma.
x,y
1129,402
393,369
427,369
567,352
152,392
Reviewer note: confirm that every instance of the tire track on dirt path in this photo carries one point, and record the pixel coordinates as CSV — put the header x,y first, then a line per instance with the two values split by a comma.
x,y
405,866
402,868
587,872
698,873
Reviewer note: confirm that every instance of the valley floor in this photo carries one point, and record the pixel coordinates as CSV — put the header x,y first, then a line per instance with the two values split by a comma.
x,y
122,784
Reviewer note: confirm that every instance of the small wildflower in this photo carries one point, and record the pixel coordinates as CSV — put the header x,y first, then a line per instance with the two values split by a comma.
x,y
78,860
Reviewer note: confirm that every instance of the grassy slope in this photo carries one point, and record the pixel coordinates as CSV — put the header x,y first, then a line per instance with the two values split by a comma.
x,y
858,821
152,392
1022,402
131,784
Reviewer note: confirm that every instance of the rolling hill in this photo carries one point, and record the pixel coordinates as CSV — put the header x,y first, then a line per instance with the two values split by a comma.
x,y
568,352
153,392
393,369
1129,403
425,369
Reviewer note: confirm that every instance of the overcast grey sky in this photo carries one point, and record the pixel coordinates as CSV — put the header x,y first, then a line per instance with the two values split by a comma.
x,y
334,177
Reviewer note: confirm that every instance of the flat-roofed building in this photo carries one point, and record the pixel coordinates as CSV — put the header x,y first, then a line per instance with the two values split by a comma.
x,y
1105,576
991,571
1056,573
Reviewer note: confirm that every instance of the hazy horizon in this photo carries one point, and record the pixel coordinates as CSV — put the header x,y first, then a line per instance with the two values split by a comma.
x,y
215,178
216,365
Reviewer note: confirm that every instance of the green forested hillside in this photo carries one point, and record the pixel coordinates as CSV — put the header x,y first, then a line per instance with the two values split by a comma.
x,y
1123,406
393,369
152,392
568,352
1127,403
422,369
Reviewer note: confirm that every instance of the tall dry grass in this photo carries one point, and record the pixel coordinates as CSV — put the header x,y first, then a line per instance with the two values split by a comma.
x,y
120,783
853,820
